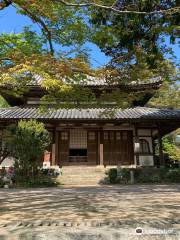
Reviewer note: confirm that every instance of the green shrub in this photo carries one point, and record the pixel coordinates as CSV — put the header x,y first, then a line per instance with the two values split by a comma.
x,y
39,181
112,174
28,141
144,175
1,183
173,175
124,175
155,179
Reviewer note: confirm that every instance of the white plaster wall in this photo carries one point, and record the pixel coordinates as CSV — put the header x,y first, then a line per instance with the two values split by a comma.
x,y
149,139
146,160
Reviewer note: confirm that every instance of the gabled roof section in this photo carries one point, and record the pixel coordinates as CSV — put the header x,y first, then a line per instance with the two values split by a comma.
x,y
95,82
137,113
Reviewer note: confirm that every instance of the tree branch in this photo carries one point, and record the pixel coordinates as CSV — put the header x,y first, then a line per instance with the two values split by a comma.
x,y
5,4
112,8
38,20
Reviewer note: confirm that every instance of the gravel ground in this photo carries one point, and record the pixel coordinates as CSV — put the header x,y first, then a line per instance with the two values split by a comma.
x,y
105,212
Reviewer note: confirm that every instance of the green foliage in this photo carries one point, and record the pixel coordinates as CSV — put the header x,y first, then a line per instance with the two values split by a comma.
x,y
124,175
173,175
145,175
28,141
2,183
38,181
170,148
168,96
3,103
112,175
136,43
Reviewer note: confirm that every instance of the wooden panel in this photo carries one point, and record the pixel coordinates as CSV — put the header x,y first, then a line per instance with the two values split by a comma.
x,y
118,147
63,148
126,148
92,147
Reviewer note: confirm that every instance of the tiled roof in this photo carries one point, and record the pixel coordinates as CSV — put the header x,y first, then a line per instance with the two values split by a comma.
x,y
99,82
141,113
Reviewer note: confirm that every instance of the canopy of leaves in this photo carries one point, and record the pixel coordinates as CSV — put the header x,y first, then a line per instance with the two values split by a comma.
x,y
137,43
28,141
168,96
131,32
170,148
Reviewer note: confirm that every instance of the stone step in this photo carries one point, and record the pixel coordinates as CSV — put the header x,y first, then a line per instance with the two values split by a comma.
x,y
82,169
82,175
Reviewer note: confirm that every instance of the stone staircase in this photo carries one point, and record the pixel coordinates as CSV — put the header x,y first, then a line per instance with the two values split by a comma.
x,y
82,175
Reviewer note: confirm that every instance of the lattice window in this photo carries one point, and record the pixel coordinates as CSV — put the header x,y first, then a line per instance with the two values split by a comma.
x,y
91,136
78,138
124,135
118,136
105,135
111,136
64,136
144,146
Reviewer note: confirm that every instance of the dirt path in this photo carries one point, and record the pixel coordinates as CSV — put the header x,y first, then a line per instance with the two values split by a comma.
x,y
149,206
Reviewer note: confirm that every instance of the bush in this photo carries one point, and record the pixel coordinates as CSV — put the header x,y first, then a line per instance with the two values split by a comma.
x,y
145,175
112,175
2,183
28,141
40,181
124,175
173,175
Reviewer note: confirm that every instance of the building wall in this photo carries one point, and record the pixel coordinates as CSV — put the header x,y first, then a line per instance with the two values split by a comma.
x,y
148,159
144,159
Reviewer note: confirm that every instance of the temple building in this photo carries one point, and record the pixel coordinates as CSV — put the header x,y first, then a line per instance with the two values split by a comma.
x,y
89,136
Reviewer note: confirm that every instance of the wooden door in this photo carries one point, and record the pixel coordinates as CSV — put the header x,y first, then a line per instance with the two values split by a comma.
x,y
126,148
108,140
63,150
92,146
118,147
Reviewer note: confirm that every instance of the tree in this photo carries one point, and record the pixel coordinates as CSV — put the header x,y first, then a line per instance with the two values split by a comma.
x,y
170,149
28,141
168,96
4,148
137,43
128,32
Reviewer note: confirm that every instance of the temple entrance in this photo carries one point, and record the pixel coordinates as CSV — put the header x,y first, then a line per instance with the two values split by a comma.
x,y
78,146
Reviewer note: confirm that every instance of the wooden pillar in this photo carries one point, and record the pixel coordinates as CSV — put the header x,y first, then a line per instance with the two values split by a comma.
x,y
137,141
101,148
53,154
161,156
153,148
56,147
53,158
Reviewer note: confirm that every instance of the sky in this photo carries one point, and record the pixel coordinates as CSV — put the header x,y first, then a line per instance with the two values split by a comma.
x,y
10,21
